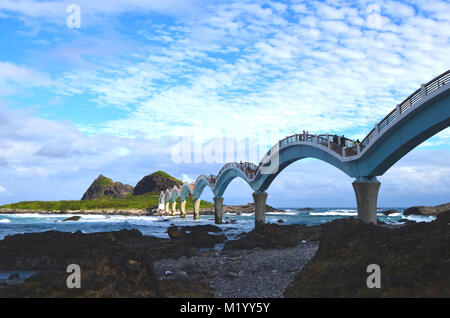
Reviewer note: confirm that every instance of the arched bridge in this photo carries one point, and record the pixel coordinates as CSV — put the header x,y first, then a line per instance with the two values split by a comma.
x,y
421,115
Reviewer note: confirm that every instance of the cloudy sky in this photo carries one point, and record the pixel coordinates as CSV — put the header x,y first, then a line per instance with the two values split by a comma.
x,y
140,78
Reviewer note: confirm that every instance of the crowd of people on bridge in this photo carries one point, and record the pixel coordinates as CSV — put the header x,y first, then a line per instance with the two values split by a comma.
x,y
247,168
342,142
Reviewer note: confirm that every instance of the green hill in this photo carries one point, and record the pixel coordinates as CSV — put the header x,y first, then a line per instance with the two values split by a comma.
x,y
104,194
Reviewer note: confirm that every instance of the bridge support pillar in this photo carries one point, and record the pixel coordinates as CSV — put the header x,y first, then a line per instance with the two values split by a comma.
x,y
174,207
366,191
167,207
218,202
196,209
183,208
259,198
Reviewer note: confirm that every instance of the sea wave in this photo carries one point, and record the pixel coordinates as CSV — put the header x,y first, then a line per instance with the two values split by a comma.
x,y
335,213
28,215
419,218
282,213
5,221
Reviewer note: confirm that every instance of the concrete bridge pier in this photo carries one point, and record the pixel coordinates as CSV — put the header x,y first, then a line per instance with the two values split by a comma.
x,y
167,207
366,191
259,198
218,203
196,209
183,208
174,207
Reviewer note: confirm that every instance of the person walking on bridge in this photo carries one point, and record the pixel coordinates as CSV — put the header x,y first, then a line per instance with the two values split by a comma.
x,y
342,141
335,139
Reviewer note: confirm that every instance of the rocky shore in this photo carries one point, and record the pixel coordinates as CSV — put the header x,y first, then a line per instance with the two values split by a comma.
x,y
246,208
329,260
414,260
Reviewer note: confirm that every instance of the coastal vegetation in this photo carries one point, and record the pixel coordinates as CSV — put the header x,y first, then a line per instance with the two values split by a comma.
x,y
144,201
105,194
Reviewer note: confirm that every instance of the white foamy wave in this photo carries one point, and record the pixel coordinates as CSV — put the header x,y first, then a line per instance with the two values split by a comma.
x,y
419,218
395,214
5,221
91,218
28,215
282,213
334,213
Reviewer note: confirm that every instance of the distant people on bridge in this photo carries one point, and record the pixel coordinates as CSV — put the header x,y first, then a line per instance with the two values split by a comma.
x,y
342,141
336,139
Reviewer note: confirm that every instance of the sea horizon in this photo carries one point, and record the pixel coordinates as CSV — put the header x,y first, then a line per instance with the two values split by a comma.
x,y
234,223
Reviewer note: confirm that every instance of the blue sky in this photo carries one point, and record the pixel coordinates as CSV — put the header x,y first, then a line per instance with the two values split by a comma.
x,y
115,95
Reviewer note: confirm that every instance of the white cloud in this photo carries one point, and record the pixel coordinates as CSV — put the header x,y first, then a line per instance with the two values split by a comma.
x,y
186,178
14,77
318,74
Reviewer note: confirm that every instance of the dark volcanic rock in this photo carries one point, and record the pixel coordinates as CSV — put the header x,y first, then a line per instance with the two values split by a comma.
x,y
156,182
73,218
387,212
113,264
14,276
238,209
413,261
103,186
275,236
245,208
197,235
427,210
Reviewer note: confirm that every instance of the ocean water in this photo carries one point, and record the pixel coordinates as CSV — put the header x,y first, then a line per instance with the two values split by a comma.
x,y
157,226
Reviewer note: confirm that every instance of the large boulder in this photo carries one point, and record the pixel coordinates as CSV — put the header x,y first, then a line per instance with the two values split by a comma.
x,y
246,208
427,210
391,211
103,186
413,259
155,183
198,235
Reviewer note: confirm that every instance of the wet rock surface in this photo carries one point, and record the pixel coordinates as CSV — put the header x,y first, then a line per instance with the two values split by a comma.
x,y
275,236
241,273
414,261
391,211
198,235
113,264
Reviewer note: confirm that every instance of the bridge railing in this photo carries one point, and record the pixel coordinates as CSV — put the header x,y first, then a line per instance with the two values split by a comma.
x,y
248,168
426,89
348,148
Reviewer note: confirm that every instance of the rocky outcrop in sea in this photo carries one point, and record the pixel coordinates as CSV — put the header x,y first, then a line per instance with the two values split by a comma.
x,y
103,186
427,210
155,183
